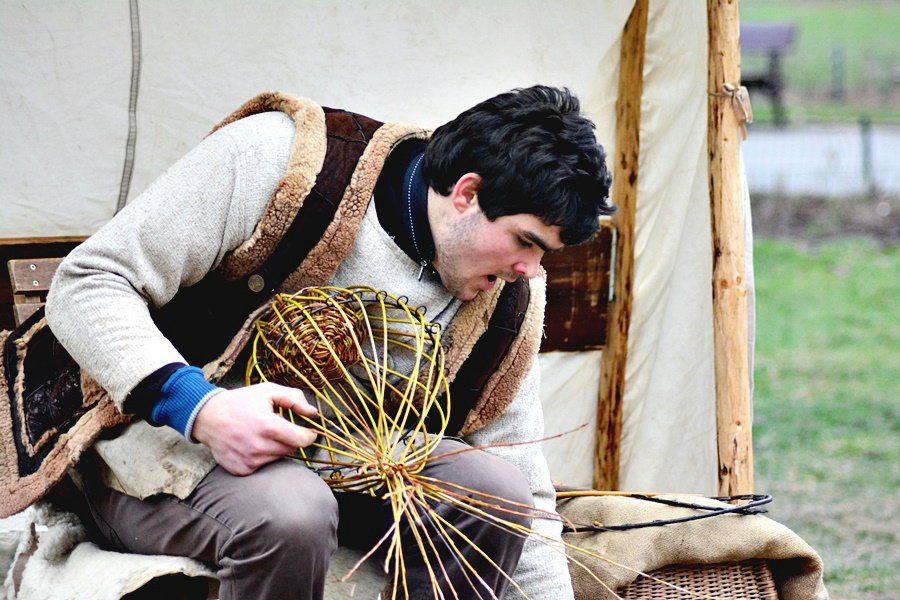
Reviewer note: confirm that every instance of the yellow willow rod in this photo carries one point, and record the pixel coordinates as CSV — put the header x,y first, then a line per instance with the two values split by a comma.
x,y
358,414
389,385
430,401
457,556
419,353
381,541
382,416
431,380
407,440
431,441
415,523
384,350
430,397
319,394
339,414
444,525
414,518
409,392
377,386
469,497
395,550
348,323
504,444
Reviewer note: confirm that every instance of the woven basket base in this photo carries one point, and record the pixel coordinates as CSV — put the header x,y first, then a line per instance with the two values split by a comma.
x,y
747,580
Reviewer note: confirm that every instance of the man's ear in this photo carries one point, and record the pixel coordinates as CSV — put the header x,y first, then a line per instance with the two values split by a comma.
x,y
464,194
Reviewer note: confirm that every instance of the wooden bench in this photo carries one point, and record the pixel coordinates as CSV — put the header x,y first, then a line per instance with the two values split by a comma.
x,y
30,281
772,40
30,250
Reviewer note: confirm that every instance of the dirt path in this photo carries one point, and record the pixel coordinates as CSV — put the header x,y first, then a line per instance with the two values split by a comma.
x,y
809,219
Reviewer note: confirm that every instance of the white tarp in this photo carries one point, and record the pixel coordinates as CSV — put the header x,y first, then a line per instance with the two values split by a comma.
x,y
65,72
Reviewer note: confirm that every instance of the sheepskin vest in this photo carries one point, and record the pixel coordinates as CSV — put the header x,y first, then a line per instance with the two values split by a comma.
x,y
306,231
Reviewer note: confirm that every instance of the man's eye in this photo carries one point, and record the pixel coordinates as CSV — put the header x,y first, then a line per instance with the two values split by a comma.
x,y
525,243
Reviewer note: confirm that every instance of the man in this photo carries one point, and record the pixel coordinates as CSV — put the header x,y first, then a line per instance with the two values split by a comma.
x,y
163,289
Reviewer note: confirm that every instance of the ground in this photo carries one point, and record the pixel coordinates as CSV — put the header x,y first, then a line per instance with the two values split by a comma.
x,y
826,411
810,220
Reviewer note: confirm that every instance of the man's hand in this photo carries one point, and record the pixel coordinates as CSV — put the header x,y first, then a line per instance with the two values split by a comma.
x,y
243,431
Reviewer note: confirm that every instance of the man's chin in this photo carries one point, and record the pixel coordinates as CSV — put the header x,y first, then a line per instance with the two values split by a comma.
x,y
466,295
468,289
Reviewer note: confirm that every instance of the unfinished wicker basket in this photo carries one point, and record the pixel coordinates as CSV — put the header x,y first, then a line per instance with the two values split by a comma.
x,y
746,580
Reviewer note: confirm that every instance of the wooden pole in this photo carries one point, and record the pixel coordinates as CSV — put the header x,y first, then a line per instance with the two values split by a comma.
x,y
624,194
729,291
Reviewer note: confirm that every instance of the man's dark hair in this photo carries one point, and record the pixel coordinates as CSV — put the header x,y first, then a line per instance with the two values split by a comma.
x,y
536,154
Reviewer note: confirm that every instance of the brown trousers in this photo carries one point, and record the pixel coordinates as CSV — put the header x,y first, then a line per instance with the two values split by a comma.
x,y
272,533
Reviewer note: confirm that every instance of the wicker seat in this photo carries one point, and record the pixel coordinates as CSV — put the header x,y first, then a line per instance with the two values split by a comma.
x,y
747,580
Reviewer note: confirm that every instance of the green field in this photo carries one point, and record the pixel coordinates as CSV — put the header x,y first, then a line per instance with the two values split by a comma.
x,y
827,404
865,33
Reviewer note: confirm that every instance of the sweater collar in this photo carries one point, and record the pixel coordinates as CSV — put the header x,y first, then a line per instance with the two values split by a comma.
x,y
401,200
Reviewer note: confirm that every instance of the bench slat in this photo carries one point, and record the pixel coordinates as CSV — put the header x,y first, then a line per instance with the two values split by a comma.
x,y
29,276
23,311
30,280
26,248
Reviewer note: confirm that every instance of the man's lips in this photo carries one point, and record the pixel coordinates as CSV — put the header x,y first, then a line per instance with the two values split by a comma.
x,y
492,280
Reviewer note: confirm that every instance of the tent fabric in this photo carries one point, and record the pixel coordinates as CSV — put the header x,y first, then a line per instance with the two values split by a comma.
x,y
65,73
569,387
669,405
669,420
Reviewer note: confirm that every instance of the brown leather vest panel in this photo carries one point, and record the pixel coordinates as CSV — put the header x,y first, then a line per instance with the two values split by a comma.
x,y
201,320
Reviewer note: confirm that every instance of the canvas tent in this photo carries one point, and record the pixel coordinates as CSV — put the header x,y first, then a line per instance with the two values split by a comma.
x,y
98,98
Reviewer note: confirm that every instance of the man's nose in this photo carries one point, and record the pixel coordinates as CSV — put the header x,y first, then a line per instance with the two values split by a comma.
x,y
528,268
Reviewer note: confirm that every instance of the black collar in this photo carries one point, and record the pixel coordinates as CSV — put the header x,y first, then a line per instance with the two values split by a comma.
x,y
401,200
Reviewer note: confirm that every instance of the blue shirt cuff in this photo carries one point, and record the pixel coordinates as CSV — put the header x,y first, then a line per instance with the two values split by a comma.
x,y
183,394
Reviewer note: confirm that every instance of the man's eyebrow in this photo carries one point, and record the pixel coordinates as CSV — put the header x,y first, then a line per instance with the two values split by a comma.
x,y
537,241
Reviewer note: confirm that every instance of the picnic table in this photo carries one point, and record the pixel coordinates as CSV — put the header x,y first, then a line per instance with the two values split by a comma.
x,y
772,40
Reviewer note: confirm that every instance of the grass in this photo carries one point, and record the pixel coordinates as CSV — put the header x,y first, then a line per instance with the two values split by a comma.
x,y
827,417
863,31
801,111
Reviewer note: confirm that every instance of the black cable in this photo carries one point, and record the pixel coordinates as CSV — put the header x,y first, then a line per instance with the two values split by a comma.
x,y
755,500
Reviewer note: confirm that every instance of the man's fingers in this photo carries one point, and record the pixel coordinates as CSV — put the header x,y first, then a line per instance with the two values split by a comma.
x,y
293,399
243,433
290,435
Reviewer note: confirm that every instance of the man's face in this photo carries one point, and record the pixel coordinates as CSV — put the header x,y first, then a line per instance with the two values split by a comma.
x,y
473,253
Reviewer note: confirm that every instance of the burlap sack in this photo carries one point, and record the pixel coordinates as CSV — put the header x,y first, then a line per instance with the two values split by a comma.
x,y
796,567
